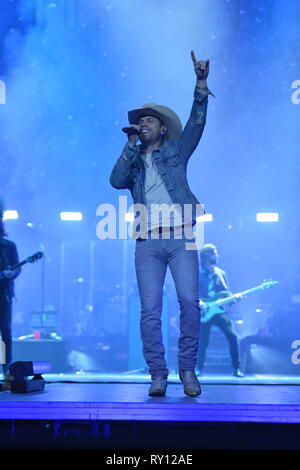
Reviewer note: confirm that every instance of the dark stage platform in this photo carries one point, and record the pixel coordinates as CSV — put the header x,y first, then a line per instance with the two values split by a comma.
x,y
253,404
89,397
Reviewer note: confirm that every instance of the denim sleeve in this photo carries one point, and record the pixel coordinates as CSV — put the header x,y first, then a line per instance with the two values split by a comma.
x,y
120,175
193,130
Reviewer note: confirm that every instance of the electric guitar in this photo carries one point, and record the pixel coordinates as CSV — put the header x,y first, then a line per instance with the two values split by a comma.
x,y
30,259
214,306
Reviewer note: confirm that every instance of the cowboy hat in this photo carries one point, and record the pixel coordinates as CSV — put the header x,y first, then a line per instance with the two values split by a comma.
x,y
168,117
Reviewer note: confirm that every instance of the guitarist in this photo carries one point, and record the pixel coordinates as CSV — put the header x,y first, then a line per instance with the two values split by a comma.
x,y
8,257
213,282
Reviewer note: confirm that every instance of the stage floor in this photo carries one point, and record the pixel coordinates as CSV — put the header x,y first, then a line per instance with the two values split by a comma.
x,y
136,377
111,397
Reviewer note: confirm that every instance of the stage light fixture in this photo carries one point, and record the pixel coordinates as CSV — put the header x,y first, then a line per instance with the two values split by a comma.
x,y
17,382
205,218
71,216
129,217
10,215
267,217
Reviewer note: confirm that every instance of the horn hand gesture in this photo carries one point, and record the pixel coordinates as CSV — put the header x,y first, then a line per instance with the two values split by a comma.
x,y
201,67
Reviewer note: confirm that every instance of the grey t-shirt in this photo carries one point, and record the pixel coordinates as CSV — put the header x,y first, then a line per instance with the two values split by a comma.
x,y
156,193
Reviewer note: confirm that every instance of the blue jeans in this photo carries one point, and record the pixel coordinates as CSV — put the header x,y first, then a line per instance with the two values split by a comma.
x,y
224,323
152,256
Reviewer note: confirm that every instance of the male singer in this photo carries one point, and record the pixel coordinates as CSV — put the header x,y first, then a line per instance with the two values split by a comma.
x,y
155,172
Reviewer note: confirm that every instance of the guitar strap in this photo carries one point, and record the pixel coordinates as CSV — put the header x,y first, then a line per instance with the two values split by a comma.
x,y
4,263
220,275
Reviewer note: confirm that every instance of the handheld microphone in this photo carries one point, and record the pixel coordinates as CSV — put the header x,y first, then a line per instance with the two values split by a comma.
x,y
130,130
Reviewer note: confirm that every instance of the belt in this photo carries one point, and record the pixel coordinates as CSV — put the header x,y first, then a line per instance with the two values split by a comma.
x,y
165,229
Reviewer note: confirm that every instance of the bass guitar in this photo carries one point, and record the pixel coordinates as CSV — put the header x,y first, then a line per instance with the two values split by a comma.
x,y
214,306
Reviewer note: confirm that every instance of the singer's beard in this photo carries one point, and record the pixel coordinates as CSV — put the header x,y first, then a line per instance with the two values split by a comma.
x,y
144,137
144,140
149,139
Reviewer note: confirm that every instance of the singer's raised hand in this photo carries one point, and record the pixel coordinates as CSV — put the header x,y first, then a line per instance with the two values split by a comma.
x,y
201,67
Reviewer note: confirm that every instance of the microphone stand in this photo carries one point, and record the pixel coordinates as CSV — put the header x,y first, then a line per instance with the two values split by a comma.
x,y
43,273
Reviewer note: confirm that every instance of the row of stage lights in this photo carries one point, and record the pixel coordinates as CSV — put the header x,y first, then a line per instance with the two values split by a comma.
x,y
129,217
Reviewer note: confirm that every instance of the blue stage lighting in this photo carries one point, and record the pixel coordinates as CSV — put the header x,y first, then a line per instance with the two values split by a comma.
x,y
267,217
10,214
205,218
129,217
71,216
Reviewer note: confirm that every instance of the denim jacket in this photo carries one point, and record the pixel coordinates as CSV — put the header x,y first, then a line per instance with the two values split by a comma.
x,y
171,160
